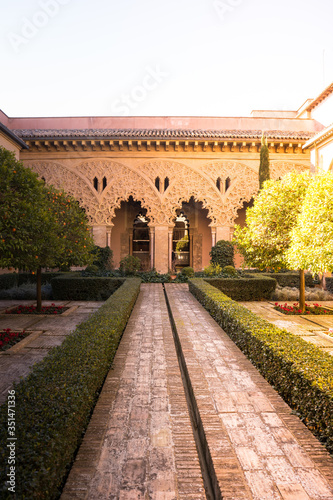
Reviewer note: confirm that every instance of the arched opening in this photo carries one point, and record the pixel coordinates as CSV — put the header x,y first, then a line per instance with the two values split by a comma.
x,y
218,183
104,183
196,227
157,183
130,233
166,183
140,241
181,241
241,218
95,181
227,183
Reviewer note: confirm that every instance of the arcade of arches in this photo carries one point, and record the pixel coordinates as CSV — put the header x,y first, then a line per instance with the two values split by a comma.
x,y
167,213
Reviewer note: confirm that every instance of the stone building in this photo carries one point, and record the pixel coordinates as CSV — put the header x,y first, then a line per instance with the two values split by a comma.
x,y
164,189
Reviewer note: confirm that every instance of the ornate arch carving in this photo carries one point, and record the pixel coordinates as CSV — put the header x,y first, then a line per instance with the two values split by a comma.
x,y
122,182
280,168
186,182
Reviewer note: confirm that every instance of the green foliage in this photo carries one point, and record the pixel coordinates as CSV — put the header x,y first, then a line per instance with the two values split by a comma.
x,y
87,288
267,235
8,280
212,270
129,265
230,270
249,287
153,277
91,270
54,403
298,370
222,253
187,271
40,226
264,162
290,279
182,244
102,258
312,236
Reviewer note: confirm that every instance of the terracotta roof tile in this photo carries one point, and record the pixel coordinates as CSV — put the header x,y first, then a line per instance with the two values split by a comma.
x,y
159,134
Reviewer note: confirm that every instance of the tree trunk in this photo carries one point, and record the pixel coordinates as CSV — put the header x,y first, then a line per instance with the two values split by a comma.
x,y
302,290
39,289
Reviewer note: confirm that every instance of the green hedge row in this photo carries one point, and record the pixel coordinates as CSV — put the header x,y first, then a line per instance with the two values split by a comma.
x,y
10,280
54,403
84,288
329,283
251,287
298,370
291,279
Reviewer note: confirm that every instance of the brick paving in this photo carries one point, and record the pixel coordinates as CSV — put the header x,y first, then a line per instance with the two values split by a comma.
x,y
139,443
311,328
259,449
46,332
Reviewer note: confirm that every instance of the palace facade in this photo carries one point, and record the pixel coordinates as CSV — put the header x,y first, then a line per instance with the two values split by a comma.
x,y
164,189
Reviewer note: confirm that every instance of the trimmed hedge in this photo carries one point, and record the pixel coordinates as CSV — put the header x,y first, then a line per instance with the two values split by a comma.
x,y
251,287
54,403
329,284
291,279
24,278
79,288
8,280
300,372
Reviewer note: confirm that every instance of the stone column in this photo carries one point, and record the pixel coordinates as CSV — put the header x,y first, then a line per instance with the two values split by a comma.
x,y
170,235
213,229
130,236
224,233
108,236
99,235
152,246
161,248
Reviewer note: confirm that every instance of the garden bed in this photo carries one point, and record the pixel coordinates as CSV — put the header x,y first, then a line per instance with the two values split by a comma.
x,y
54,403
298,370
295,310
9,338
32,309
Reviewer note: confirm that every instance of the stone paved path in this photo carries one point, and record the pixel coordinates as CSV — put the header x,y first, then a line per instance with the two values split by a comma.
x,y
140,445
46,332
311,328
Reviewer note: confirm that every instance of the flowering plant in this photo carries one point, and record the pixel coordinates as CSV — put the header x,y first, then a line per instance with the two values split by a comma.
x,y
8,338
32,309
295,309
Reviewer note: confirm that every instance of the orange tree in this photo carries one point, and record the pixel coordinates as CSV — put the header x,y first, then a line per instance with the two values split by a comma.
x,y
39,225
266,238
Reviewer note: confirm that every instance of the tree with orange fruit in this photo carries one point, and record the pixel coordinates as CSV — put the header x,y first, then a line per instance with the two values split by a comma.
x,y
40,226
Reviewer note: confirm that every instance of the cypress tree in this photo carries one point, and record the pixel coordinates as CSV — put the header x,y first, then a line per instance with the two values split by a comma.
x,y
264,162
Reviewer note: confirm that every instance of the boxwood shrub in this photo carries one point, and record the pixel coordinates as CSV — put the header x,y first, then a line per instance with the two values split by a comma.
x,y
248,287
8,280
24,278
84,288
54,403
291,279
298,370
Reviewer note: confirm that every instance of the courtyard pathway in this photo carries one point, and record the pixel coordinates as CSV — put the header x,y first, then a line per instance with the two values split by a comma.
x,y
311,328
140,444
47,332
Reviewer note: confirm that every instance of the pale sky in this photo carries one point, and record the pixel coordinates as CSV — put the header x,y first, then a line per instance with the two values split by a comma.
x,y
176,57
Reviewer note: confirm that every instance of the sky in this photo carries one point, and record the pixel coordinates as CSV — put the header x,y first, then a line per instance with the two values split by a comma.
x,y
170,58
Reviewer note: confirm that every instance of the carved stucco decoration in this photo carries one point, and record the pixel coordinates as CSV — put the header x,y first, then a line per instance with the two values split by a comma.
x,y
200,183
122,182
280,168
185,182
